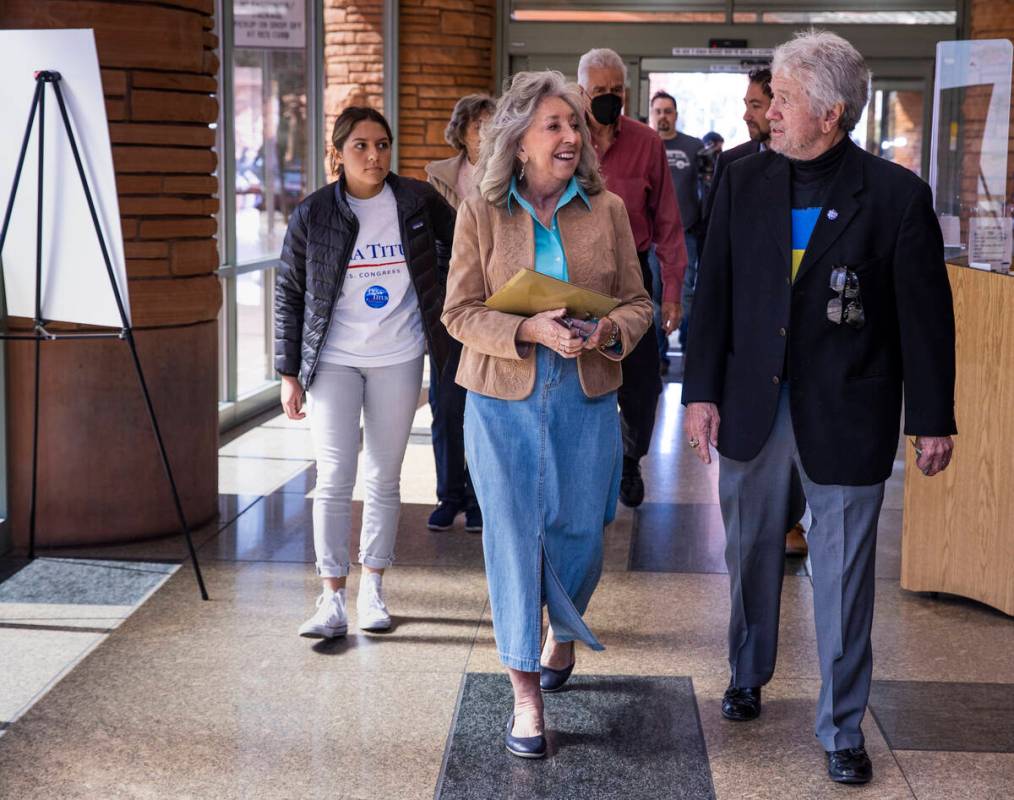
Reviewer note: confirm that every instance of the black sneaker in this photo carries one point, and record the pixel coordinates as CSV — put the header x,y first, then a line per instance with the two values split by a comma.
x,y
631,485
473,519
442,518
851,765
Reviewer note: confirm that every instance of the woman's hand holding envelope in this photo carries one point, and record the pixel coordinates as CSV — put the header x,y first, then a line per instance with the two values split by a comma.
x,y
548,329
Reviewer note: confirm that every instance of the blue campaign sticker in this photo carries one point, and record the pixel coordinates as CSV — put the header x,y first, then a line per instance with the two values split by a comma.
x,y
377,297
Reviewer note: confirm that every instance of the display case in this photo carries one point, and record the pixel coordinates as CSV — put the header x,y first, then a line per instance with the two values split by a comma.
x,y
969,170
958,527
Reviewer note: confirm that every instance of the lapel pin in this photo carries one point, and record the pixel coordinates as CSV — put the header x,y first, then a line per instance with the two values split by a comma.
x,y
832,215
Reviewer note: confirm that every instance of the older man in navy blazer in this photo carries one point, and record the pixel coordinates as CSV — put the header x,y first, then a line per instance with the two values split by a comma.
x,y
822,293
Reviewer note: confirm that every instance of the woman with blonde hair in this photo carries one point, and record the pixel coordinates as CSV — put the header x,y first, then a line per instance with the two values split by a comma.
x,y
542,430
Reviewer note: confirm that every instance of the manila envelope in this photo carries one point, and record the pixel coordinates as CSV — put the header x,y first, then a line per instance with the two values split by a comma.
x,y
530,292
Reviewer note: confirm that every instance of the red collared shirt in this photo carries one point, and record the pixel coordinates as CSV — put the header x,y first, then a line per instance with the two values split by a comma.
x,y
635,168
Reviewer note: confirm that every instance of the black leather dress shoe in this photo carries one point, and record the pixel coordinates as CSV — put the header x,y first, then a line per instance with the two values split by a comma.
x,y
851,765
552,680
524,746
741,705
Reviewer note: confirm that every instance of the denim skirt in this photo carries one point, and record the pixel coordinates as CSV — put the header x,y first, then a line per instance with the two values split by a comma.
x,y
546,472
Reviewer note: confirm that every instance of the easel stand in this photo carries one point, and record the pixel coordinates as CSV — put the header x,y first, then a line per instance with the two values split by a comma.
x,y
41,334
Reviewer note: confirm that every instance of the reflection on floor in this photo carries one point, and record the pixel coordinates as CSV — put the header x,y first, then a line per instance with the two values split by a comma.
x,y
223,700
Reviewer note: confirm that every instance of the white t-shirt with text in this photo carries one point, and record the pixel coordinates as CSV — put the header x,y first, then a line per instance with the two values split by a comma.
x,y
376,320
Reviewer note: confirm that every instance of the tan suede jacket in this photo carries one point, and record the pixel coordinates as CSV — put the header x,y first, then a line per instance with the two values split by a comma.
x,y
491,244
443,176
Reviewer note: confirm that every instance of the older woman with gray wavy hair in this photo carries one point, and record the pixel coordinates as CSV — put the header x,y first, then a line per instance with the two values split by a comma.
x,y
542,432
454,177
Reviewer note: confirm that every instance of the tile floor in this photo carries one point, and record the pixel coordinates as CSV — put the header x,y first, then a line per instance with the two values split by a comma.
x,y
54,612
150,693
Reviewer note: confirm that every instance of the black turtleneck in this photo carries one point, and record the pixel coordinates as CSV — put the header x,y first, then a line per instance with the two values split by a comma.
x,y
811,183
812,179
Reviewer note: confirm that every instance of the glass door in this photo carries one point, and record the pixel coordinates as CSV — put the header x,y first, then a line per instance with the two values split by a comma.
x,y
271,157
895,122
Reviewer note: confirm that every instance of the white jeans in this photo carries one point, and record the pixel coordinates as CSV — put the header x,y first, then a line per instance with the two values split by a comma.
x,y
387,398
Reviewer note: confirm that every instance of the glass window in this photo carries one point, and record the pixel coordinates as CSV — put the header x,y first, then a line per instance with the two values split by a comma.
x,y
270,124
707,101
860,17
969,150
794,12
895,127
254,304
271,88
223,343
656,17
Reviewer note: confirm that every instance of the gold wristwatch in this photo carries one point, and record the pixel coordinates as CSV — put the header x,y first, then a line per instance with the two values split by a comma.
x,y
614,336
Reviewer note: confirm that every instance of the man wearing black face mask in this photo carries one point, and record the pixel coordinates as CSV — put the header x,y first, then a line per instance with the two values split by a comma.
x,y
635,167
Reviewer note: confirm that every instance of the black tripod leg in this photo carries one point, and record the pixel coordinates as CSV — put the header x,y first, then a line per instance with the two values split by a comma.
x,y
41,98
129,336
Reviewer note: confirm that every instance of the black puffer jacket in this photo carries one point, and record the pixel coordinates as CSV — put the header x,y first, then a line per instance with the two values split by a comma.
x,y
318,246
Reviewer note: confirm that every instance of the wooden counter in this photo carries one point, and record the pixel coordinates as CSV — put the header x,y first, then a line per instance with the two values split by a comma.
x,y
958,534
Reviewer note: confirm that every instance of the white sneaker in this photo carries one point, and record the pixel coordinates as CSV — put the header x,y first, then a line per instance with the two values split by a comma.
x,y
330,620
373,614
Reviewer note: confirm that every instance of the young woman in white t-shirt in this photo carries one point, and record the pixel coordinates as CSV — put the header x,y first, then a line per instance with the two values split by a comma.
x,y
357,305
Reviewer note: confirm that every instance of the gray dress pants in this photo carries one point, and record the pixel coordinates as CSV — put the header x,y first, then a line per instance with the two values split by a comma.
x,y
755,500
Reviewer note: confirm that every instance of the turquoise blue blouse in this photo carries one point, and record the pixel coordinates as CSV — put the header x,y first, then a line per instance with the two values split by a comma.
x,y
549,256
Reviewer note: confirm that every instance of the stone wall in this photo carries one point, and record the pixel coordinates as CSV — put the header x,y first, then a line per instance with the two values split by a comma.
x,y
446,52
100,476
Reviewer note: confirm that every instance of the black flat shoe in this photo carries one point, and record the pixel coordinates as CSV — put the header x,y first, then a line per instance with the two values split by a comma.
x,y
552,680
741,705
524,746
851,765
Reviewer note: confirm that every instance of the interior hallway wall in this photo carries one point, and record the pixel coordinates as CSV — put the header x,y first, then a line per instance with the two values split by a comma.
x,y
446,51
100,477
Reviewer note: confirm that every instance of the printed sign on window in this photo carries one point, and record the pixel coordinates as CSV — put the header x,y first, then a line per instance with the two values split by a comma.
x,y
270,23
